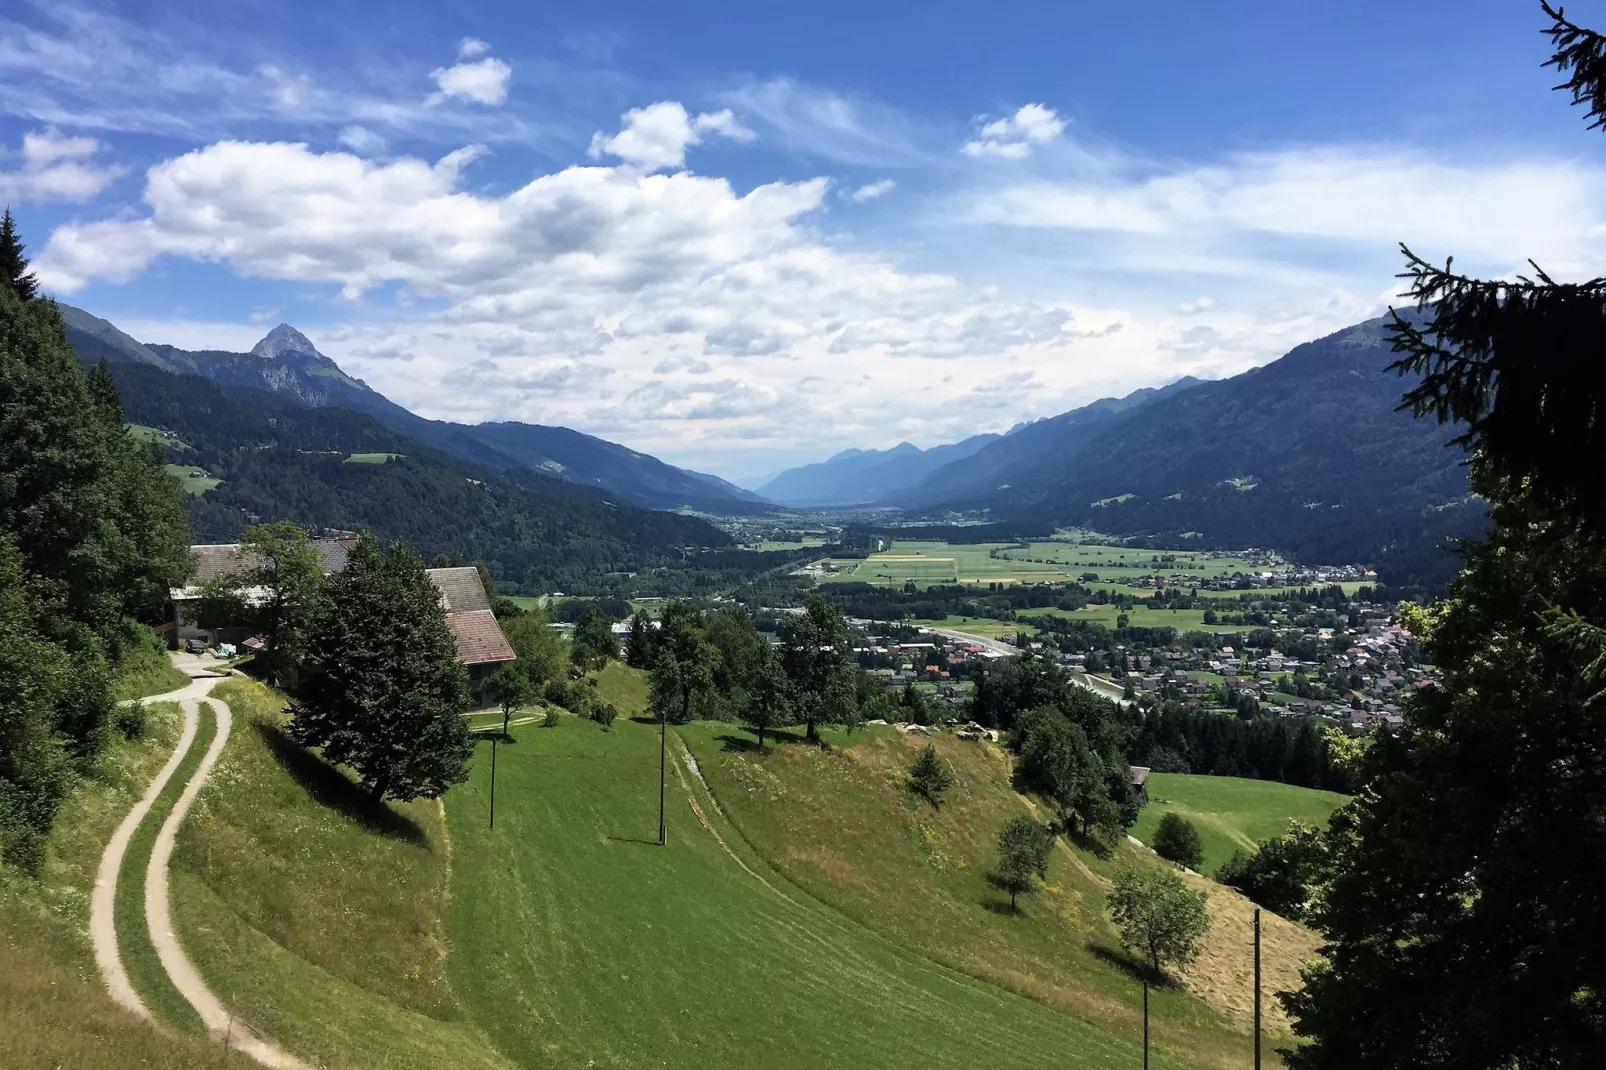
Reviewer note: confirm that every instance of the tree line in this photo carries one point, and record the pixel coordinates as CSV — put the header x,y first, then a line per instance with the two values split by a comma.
x,y
92,533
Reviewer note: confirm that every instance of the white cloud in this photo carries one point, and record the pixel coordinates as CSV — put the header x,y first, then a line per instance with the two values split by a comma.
x,y
816,122
482,81
55,167
362,140
872,190
657,136
1014,137
469,47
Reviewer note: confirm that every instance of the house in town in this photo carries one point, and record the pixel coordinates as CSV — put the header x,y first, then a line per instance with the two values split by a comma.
x,y
481,646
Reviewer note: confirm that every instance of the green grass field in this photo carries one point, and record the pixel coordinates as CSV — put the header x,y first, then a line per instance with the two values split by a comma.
x,y
372,458
581,942
1139,616
1232,813
193,480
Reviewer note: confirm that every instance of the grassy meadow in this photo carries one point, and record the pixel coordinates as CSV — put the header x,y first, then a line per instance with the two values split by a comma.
x,y
372,458
191,479
1232,813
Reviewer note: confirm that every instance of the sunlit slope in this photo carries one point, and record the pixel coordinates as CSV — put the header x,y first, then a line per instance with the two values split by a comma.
x,y
1232,813
842,825
576,940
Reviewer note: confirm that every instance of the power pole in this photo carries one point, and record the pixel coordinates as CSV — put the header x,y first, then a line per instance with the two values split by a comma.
x,y
1257,988
1145,1023
663,749
493,781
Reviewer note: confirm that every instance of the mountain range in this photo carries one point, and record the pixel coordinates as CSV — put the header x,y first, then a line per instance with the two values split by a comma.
x,y
285,363
855,477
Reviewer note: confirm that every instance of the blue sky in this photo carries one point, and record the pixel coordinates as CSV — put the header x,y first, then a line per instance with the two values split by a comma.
x,y
741,236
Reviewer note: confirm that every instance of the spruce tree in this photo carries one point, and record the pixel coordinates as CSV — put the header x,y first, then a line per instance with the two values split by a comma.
x,y
382,691
13,265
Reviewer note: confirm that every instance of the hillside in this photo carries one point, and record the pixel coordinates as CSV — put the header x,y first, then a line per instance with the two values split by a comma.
x,y
281,461
1232,813
1024,453
286,364
853,477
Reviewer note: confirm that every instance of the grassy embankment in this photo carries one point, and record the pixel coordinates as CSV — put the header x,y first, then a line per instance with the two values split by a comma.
x,y
843,826
1232,813
314,915
54,1011
580,942
145,669
192,480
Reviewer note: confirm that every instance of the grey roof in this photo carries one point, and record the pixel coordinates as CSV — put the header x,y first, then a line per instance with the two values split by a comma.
x,y
1140,774
214,559
460,588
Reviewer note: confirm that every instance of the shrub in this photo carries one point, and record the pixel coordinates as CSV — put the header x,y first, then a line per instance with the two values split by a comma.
x,y
130,720
551,718
604,714
1178,841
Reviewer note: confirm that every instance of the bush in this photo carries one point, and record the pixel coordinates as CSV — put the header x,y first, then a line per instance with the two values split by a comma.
x,y
1176,840
604,714
1279,875
130,720
551,718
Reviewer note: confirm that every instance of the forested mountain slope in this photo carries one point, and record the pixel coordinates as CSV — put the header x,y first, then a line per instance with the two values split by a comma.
x,y
282,461
286,364
1024,453
1307,454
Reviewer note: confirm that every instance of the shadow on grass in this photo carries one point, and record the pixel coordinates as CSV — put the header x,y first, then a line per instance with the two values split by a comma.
x,y
773,737
330,787
492,732
1134,968
633,839
997,905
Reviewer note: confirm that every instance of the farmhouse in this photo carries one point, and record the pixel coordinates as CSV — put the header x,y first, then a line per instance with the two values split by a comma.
x,y
481,646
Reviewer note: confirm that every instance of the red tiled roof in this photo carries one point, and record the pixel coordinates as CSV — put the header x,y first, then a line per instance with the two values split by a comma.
x,y
479,638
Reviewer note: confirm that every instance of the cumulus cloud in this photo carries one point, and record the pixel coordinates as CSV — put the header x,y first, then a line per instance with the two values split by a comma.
x,y
55,167
1015,136
469,47
483,81
657,136
872,190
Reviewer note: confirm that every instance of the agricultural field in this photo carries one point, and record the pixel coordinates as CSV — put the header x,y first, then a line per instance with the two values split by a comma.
x,y
1139,616
372,458
1232,813
193,480
1054,561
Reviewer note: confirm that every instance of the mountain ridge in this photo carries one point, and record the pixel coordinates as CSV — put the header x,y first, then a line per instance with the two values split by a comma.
x,y
285,362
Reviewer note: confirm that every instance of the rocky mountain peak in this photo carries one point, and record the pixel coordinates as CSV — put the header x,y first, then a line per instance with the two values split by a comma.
x,y
282,341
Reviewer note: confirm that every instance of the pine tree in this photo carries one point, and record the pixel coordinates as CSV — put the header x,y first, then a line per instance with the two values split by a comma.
x,y
382,691
929,776
13,265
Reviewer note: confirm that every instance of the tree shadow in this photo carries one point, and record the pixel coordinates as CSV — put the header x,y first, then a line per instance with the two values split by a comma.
x,y
1133,967
1000,906
495,732
1087,841
773,737
633,839
328,786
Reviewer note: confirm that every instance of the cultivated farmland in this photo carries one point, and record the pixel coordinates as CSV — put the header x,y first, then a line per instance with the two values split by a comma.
x,y
1232,813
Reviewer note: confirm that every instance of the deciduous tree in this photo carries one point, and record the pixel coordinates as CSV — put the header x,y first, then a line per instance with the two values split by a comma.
x,y
1023,849
1159,916
1176,840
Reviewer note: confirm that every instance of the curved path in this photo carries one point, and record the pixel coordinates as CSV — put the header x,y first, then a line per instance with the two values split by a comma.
x,y
219,1022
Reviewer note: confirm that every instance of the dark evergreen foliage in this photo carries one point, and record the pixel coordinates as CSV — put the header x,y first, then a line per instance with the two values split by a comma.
x,y
13,265
929,777
1281,873
814,653
382,691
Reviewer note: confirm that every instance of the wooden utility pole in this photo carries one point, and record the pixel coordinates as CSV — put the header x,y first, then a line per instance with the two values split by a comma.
x,y
663,749
1145,1023
493,781
1257,988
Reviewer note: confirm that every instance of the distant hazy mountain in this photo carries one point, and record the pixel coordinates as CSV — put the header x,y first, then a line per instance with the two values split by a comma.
x,y
1024,455
853,477
287,364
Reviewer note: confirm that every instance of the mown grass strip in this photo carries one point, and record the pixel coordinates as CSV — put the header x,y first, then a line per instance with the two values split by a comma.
x,y
133,937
